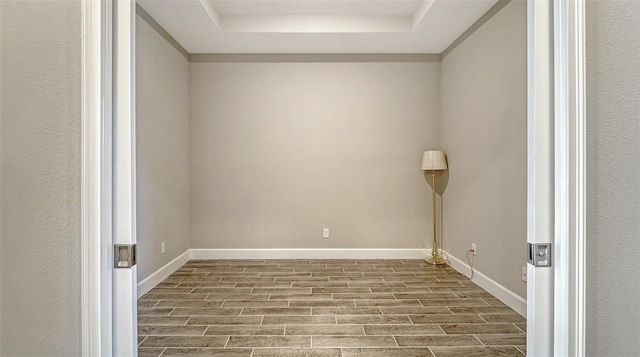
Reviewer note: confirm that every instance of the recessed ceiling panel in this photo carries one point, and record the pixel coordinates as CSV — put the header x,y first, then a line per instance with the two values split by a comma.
x,y
314,7
316,26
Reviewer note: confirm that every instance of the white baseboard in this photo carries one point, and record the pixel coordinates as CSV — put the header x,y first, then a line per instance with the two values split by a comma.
x,y
309,253
159,275
503,294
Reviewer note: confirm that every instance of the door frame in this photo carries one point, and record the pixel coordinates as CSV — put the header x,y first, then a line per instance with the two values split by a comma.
x,y
555,188
556,176
125,280
570,177
540,180
109,309
96,179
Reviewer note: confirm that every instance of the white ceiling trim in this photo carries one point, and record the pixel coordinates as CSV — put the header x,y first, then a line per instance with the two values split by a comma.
x,y
312,58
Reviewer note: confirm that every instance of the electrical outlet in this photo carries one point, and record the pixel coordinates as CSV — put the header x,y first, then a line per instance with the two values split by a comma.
x,y
325,233
524,274
474,249
163,248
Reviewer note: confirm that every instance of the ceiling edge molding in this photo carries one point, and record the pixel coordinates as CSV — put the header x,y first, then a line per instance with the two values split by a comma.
x,y
161,31
476,25
310,58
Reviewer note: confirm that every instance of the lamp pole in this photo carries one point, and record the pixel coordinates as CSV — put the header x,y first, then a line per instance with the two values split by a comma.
x,y
434,252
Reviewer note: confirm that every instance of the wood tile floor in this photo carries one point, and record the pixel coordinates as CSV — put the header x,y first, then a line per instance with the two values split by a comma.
x,y
324,308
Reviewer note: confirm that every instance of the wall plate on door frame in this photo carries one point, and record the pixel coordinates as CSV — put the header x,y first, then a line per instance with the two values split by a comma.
x,y
539,254
124,255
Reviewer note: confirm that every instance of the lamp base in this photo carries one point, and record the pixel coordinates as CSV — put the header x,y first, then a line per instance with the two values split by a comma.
x,y
436,261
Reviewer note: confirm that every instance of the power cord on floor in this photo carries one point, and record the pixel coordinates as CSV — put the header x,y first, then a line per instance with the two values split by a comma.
x,y
471,261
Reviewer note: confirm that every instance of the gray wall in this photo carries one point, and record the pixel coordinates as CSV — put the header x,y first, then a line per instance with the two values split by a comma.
x,y
162,114
613,178
281,150
484,133
40,52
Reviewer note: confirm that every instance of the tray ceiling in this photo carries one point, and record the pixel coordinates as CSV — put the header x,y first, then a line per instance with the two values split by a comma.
x,y
313,26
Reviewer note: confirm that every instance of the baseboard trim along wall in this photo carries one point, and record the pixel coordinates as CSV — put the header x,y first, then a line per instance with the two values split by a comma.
x,y
503,294
159,275
309,253
500,292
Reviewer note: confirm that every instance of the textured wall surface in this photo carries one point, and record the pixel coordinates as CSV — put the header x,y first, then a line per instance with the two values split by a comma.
x,y
281,150
40,51
613,178
484,133
162,114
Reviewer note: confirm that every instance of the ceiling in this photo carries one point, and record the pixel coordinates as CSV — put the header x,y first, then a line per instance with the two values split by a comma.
x,y
316,26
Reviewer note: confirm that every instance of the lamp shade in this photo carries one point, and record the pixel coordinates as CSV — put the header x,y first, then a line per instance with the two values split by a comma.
x,y
434,160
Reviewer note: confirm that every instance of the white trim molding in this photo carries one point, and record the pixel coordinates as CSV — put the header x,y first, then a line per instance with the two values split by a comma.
x,y
569,171
561,180
164,272
159,275
125,342
311,253
540,174
503,294
90,203
578,159
96,202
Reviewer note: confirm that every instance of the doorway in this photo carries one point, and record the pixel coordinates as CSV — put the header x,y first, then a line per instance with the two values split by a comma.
x,y
530,274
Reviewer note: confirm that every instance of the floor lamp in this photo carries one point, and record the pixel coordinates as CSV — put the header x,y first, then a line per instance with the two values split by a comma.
x,y
433,161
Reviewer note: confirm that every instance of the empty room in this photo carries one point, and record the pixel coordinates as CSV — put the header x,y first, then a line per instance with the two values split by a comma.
x,y
302,165
319,178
